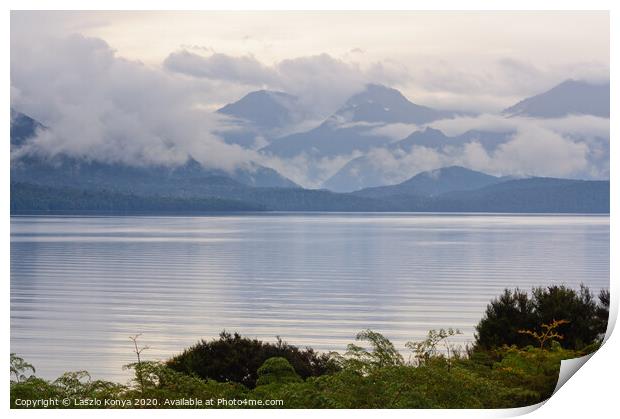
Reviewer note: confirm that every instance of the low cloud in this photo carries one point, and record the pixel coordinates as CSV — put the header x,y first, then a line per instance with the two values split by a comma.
x,y
491,84
395,131
100,106
309,172
578,125
246,70
322,83
531,151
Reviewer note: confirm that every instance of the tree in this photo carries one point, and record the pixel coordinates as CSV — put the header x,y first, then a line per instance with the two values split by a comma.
x,y
382,353
504,317
602,313
19,369
583,319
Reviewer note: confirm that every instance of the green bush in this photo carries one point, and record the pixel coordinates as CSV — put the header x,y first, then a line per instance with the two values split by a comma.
x,y
277,370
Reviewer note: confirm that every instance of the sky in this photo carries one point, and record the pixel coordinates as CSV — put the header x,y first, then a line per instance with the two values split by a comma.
x,y
143,85
437,58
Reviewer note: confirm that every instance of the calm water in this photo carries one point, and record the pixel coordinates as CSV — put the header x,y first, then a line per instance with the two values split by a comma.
x,y
80,286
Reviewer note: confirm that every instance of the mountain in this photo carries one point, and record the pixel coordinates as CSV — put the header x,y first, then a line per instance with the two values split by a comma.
x,y
569,97
367,171
433,183
260,115
66,171
352,127
378,103
265,109
457,189
22,128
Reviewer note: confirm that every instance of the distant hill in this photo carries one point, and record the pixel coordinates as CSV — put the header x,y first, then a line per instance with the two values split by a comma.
x,y
433,183
189,180
569,97
422,194
28,198
364,171
545,195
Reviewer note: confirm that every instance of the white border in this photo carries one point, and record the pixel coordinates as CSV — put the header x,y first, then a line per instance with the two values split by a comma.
x,y
590,393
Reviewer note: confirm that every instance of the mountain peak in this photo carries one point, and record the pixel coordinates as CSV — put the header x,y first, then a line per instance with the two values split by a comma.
x,y
378,93
382,104
569,97
264,108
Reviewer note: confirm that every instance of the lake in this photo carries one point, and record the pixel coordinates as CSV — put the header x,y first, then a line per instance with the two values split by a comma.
x,y
80,286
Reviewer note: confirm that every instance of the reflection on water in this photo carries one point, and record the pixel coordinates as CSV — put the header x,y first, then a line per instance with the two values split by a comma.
x,y
80,286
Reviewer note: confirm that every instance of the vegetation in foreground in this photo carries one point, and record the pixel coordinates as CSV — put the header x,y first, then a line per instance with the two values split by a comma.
x,y
514,362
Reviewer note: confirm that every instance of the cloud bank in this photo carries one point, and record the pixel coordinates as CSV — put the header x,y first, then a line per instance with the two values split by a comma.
x,y
323,83
100,106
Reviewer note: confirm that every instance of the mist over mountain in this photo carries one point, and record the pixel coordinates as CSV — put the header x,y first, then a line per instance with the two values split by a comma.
x,y
352,127
567,98
259,117
22,128
368,171
382,104
421,169
265,109
68,171
65,183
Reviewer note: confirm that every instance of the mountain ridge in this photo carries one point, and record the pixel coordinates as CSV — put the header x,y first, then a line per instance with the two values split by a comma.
x,y
571,97
350,128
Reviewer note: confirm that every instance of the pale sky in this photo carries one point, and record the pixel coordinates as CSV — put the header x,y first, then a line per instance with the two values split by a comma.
x,y
446,54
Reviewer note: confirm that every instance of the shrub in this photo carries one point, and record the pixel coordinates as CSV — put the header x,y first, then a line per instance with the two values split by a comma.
x,y
235,358
276,370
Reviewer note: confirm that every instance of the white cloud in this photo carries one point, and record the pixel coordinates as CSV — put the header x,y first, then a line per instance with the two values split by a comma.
x,y
246,69
395,131
308,171
581,125
531,151
323,83
100,106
